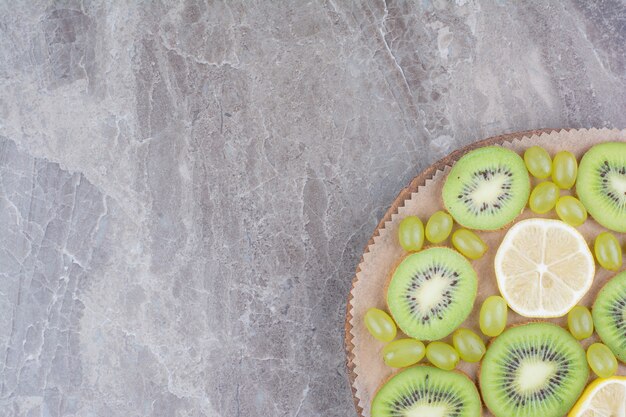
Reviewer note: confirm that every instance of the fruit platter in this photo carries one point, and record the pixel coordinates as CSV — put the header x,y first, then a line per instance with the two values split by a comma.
x,y
495,285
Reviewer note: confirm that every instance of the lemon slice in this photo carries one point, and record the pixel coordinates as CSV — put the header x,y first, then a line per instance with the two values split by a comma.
x,y
543,268
602,398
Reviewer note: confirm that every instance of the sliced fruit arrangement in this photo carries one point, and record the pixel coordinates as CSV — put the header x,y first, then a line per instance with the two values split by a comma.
x,y
487,188
427,391
543,268
533,370
431,293
609,315
602,184
602,398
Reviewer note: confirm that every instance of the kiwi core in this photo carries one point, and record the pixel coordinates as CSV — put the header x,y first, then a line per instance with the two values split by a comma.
x,y
617,187
533,374
428,295
488,190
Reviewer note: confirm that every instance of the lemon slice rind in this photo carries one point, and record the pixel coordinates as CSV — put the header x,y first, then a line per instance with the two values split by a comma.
x,y
611,398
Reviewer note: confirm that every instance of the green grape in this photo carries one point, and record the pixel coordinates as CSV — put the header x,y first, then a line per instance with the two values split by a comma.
x,y
470,346
442,355
580,322
601,360
411,233
404,352
380,325
564,169
468,243
571,210
538,162
608,252
493,316
543,197
438,227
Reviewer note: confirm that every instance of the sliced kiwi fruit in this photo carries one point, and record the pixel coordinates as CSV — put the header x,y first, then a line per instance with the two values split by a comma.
x,y
533,370
430,293
601,184
426,391
609,315
487,188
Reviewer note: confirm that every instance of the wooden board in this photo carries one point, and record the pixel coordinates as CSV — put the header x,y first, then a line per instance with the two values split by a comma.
x,y
404,195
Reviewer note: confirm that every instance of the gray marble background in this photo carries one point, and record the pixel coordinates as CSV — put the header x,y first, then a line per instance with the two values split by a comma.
x,y
186,187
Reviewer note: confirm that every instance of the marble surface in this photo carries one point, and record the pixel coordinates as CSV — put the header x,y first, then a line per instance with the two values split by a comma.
x,y
186,187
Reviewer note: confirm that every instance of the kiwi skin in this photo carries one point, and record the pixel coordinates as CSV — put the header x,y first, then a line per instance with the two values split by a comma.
x,y
480,364
456,371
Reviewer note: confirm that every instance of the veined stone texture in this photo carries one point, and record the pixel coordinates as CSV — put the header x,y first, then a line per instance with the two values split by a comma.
x,y
186,187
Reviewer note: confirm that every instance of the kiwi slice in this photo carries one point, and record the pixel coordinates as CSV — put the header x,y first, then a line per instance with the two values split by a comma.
x,y
487,188
431,293
427,391
533,370
601,184
609,315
